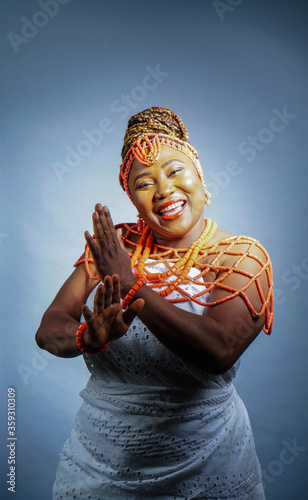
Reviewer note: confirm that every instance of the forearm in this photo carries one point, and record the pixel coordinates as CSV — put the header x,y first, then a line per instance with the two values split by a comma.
x,y
57,334
197,339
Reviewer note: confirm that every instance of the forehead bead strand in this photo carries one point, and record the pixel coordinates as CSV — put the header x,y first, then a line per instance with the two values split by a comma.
x,y
139,150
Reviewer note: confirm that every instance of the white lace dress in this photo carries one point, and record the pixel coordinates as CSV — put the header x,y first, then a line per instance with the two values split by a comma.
x,y
154,427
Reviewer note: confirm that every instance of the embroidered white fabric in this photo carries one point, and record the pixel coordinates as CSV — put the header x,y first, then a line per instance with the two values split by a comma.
x,y
152,426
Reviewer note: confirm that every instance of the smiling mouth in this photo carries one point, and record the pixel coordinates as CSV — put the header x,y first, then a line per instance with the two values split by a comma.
x,y
172,211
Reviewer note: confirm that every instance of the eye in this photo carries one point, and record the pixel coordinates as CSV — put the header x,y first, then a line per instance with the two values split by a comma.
x,y
144,185
175,170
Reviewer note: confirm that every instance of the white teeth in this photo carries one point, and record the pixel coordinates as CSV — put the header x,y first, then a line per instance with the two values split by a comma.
x,y
171,207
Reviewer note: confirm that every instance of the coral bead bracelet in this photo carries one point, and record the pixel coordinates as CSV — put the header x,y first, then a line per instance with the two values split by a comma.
x,y
82,346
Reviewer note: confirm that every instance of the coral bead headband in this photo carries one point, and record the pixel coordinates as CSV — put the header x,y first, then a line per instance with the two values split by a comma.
x,y
146,149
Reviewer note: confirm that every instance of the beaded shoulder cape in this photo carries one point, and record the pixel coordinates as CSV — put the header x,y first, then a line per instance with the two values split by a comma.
x,y
207,259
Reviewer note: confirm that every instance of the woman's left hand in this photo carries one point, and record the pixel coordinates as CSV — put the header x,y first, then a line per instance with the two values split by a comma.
x,y
108,322
109,255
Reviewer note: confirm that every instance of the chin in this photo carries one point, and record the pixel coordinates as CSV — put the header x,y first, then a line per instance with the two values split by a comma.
x,y
175,228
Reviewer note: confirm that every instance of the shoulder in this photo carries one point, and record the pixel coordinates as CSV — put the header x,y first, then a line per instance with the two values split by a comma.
x,y
237,243
246,255
241,260
243,272
219,236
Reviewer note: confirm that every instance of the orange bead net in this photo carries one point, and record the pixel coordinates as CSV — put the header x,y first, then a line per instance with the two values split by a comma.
x,y
206,258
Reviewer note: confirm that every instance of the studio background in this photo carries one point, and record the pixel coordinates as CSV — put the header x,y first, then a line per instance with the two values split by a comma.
x,y
228,69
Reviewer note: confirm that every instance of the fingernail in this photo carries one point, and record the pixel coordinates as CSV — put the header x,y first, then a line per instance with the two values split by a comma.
x,y
95,215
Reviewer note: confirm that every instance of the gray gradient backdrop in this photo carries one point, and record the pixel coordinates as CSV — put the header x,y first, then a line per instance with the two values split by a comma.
x,y
228,69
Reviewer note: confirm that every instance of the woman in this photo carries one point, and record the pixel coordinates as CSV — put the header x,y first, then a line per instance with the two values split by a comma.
x,y
160,416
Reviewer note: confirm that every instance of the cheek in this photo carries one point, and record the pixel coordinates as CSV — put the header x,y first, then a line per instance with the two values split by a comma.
x,y
188,177
141,200
192,184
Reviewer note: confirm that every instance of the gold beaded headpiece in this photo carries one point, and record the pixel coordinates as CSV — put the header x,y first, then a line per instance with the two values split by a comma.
x,y
145,134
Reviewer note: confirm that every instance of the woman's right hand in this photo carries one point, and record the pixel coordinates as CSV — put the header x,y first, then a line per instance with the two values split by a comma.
x,y
108,321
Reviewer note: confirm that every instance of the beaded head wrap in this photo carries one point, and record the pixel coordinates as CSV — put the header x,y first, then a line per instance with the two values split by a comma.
x,y
145,134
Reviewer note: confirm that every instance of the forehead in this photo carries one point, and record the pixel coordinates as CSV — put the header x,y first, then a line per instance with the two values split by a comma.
x,y
167,154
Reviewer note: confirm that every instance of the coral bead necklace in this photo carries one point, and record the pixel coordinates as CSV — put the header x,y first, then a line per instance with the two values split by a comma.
x,y
204,256
180,269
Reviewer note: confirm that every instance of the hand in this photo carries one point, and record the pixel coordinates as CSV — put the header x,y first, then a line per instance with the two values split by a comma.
x,y
109,255
108,322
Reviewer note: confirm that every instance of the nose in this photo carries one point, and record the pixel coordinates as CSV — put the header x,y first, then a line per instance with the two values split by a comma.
x,y
164,188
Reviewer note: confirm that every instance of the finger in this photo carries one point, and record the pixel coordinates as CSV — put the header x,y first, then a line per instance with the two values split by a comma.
x,y
106,229
111,233
119,235
108,284
116,294
132,311
87,314
94,248
110,223
99,230
98,206
99,299
89,239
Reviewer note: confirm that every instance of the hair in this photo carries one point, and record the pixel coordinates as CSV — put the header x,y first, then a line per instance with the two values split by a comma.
x,y
156,120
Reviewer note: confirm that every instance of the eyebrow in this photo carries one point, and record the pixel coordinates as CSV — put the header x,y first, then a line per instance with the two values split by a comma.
x,y
174,160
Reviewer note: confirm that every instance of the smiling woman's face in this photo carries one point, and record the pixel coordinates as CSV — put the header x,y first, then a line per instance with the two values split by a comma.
x,y
169,197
